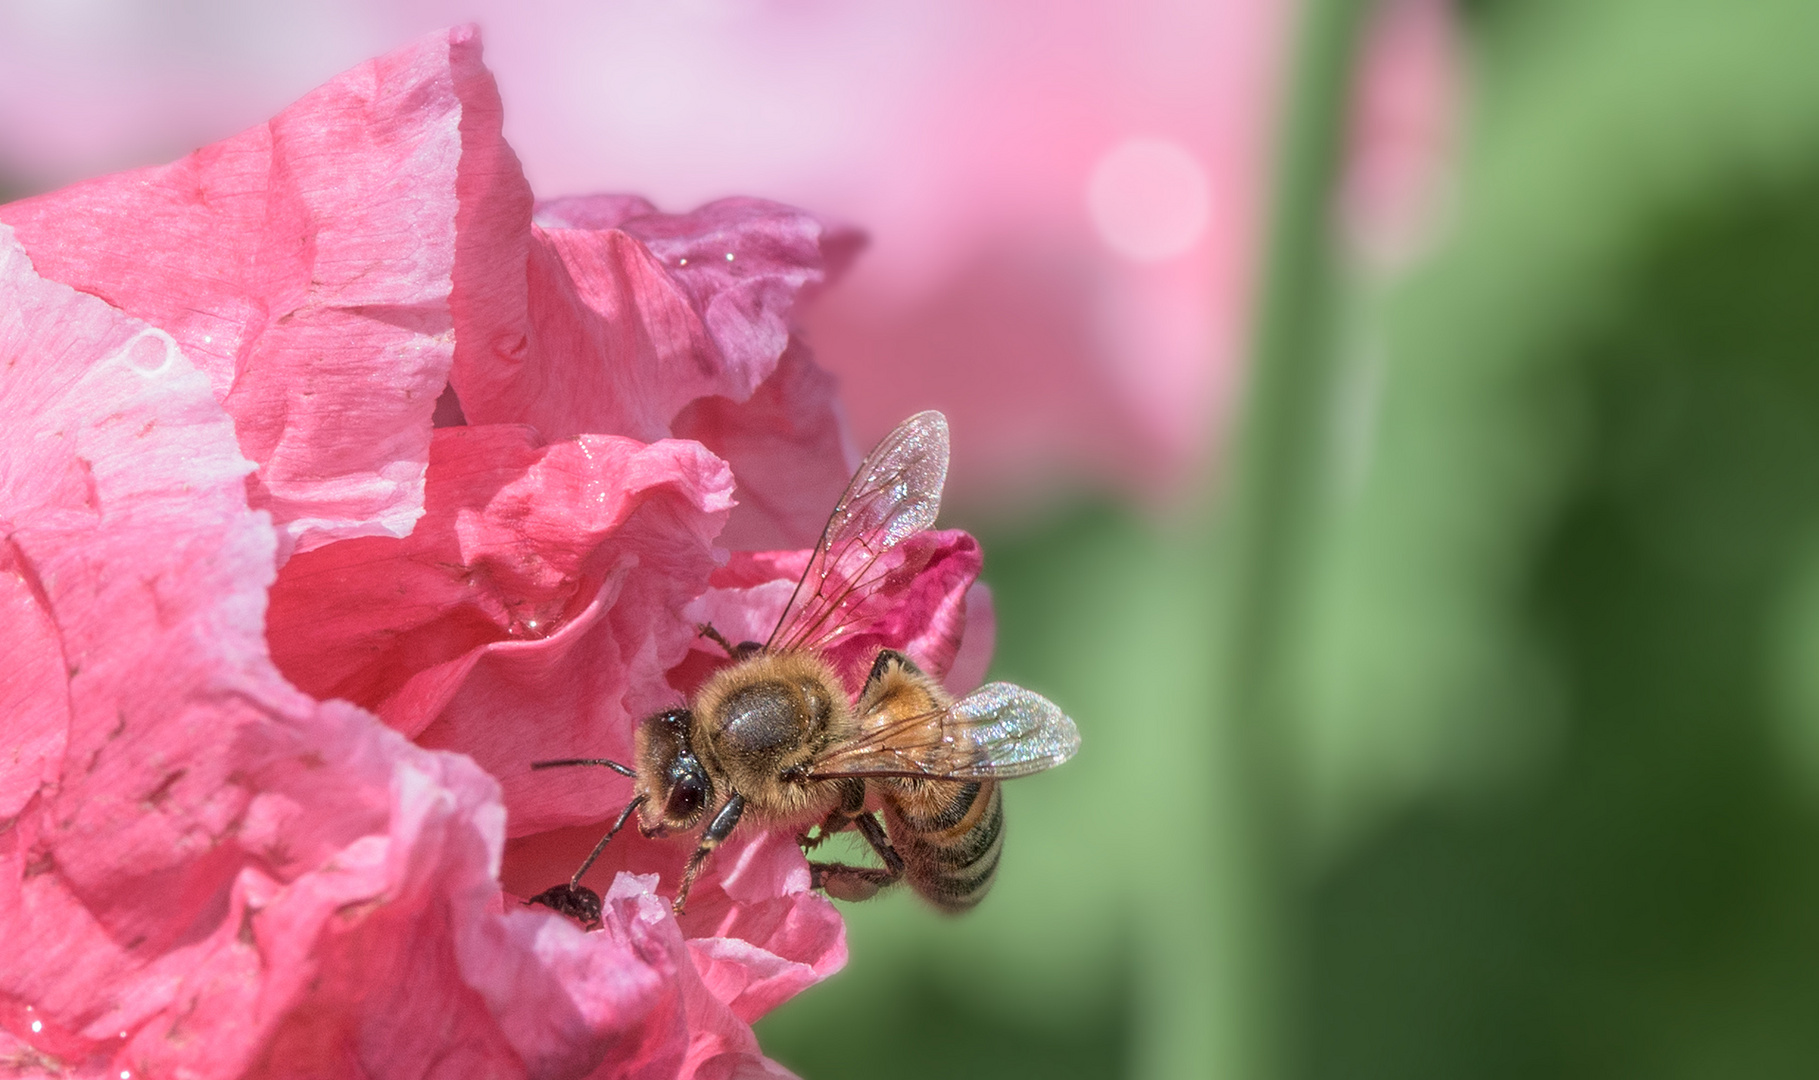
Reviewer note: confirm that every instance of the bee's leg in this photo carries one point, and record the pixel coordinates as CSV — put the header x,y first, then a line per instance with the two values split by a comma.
x,y
844,882
834,822
716,831
874,835
840,818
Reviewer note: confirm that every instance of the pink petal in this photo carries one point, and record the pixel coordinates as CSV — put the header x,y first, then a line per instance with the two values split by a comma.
x,y
624,316
920,608
929,615
750,263
789,451
761,937
218,876
757,934
305,265
974,657
719,1044
32,673
594,212
781,257
535,607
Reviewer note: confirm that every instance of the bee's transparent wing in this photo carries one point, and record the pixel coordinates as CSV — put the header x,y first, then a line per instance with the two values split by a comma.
x,y
997,732
895,494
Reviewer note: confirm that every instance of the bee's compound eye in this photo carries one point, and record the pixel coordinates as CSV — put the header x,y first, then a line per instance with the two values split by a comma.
x,y
688,790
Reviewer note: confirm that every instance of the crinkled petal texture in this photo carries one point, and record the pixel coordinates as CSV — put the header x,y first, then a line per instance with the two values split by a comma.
x,y
788,450
206,872
632,314
280,650
306,267
605,316
536,606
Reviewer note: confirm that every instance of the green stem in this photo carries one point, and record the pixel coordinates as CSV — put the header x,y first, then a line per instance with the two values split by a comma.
x,y
1276,473
1248,956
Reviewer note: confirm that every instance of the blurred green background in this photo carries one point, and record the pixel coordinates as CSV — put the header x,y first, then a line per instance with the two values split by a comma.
x,y
1534,785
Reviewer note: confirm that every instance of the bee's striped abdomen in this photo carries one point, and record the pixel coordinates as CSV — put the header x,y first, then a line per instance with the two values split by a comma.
x,y
949,834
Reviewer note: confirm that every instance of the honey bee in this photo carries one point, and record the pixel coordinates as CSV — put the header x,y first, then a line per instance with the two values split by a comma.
x,y
773,739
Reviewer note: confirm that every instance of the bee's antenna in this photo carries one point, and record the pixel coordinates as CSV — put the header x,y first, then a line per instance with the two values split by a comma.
x,y
622,770
624,815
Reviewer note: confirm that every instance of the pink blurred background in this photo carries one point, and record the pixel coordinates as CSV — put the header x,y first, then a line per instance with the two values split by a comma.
x,y
1064,198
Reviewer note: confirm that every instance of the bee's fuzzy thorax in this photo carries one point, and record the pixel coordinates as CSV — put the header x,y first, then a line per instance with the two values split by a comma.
x,y
795,668
759,717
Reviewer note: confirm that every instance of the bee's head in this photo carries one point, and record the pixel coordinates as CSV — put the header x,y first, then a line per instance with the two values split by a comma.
x,y
676,788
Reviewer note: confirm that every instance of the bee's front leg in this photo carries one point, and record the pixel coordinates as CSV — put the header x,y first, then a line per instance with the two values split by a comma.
x,y
716,831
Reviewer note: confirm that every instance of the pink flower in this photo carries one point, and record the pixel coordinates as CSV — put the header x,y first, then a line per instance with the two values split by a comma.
x,y
341,482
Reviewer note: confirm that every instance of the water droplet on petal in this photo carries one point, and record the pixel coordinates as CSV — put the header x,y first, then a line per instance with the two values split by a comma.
x,y
150,352
681,262
37,1026
729,256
